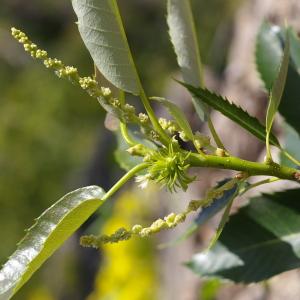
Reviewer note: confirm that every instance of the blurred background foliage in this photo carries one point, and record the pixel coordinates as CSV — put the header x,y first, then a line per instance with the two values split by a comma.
x,y
52,138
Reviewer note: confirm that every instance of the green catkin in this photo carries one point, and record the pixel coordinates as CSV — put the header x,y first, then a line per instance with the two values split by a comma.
x,y
104,95
168,222
89,84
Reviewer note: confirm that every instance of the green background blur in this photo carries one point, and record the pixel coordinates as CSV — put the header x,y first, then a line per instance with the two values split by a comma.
x,y
52,138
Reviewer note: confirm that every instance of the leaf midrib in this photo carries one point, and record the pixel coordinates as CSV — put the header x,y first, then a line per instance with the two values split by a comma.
x,y
286,239
241,119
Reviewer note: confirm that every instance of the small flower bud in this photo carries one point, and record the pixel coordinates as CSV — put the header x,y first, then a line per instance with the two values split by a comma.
x,y
143,118
106,92
136,229
137,150
154,135
53,63
27,47
145,232
61,73
163,123
115,102
194,205
14,31
87,83
158,225
41,54
180,218
70,70
220,152
170,219
129,108
23,40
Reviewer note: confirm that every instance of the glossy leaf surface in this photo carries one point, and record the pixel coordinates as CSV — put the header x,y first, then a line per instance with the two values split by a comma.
x,y
49,232
102,31
260,241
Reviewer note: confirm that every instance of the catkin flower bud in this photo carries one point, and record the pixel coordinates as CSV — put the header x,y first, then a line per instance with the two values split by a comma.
x,y
138,150
194,205
106,92
136,229
180,218
145,232
158,225
220,152
129,108
143,118
41,54
163,123
170,219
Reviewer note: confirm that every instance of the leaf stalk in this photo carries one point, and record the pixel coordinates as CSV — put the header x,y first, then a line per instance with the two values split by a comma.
x,y
124,179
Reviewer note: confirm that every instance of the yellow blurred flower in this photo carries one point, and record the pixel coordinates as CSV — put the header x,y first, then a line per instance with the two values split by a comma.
x,y
128,270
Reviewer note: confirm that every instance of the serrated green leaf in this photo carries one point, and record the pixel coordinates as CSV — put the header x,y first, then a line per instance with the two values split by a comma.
x,y
233,112
178,115
268,53
102,31
51,229
184,39
260,241
278,87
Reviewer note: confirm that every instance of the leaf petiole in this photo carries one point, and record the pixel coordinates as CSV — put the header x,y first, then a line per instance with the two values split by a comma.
x,y
265,181
290,157
123,126
124,179
164,137
215,134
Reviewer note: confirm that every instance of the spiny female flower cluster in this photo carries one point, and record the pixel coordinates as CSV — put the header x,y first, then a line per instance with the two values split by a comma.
x,y
124,112
168,167
170,221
